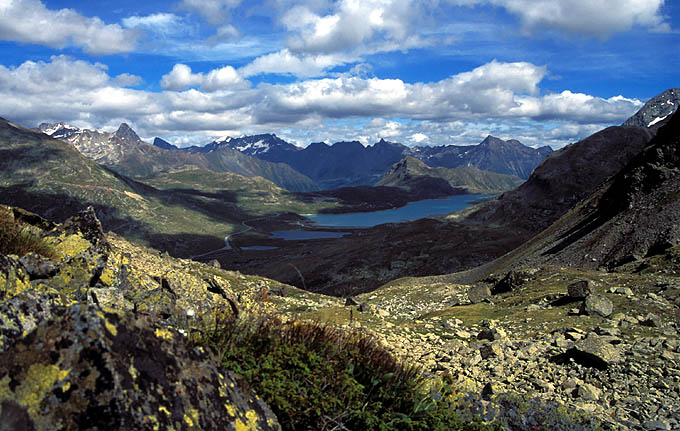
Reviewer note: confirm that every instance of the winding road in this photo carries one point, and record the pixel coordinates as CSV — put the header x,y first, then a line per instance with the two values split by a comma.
x,y
227,239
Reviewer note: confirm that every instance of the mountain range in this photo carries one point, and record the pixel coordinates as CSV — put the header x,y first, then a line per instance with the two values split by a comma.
x,y
124,152
344,164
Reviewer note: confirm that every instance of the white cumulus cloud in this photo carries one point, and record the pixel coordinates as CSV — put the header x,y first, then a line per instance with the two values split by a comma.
x,y
352,24
599,18
181,77
497,98
29,21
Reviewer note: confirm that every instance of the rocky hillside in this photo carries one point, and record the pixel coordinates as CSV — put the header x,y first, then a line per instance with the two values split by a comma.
x,y
564,178
656,110
124,152
577,170
86,318
413,174
635,214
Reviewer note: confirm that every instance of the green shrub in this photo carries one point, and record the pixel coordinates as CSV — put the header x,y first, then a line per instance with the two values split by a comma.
x,y
316,377
17,239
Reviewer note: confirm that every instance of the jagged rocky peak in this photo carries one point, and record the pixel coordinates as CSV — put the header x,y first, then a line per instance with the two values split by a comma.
x,y
126,133
656,110
58,130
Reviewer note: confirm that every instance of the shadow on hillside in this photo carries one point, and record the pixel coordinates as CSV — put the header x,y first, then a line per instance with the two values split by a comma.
x,y
219,206
58,207
19,160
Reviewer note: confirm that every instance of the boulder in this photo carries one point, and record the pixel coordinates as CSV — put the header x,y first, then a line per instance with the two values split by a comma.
x,y
651,320
592,351
580,289
513,280
479,293
598,305
589,392
350,301
86,369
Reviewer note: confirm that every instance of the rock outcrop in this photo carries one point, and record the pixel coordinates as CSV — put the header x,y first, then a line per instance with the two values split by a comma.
x,y
97,336
83,368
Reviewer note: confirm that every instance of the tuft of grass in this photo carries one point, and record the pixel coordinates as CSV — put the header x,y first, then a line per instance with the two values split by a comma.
x,y
318,377
18,239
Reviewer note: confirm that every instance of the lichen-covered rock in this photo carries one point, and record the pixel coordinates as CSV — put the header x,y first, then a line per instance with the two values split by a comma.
x,y
598,305
104,269
84,369
21,314
13,277
87,224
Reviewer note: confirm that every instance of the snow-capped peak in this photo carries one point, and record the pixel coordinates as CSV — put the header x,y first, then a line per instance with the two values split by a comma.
x,y
51,129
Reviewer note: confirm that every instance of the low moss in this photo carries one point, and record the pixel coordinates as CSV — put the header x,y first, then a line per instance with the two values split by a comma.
x,y
318,377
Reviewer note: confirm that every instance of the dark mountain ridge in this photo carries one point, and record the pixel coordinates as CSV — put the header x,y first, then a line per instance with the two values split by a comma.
x,y
574,172
635,214
344,164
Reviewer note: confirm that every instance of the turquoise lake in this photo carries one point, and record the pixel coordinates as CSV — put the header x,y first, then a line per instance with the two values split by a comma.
x,y
412,211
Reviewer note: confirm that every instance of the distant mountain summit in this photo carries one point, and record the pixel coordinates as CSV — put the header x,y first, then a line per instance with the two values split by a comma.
x,y
126,134
58,130
266,146
656,110
492,154
412,174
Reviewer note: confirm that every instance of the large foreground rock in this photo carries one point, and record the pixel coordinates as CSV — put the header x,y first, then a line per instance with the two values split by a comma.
x,y
84,369
592,351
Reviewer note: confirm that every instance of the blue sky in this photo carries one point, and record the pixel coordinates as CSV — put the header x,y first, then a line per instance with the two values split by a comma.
x,y
428,72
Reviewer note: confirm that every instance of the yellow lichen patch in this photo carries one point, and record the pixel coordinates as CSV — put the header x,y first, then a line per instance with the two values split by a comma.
x,y
250,424
154,422
163,409
133,371
72,245
163,333
38,382
191,418
107,277
16,283
230,410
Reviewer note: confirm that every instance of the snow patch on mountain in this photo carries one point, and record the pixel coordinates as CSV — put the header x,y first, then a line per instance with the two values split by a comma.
x,y
657,119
